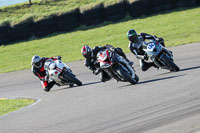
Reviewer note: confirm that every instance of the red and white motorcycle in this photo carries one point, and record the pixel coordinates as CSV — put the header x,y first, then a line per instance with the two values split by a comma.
x,y
60,73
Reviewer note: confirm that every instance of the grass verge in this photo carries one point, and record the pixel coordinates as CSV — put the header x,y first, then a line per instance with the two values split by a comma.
x,y
44,8
10,105
178,27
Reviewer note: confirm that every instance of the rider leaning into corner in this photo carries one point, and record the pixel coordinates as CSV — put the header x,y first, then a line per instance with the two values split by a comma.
x,y
91,61
39,71
135,46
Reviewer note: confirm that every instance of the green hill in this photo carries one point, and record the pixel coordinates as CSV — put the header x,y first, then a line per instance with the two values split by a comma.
x,y
178,27
43,8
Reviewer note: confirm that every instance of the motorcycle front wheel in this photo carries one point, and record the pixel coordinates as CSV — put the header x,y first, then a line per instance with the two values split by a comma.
x,y
170,63
72,78
127,77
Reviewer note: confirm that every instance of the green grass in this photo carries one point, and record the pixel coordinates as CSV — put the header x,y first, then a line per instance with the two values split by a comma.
x,y
10,105
43,8
179,27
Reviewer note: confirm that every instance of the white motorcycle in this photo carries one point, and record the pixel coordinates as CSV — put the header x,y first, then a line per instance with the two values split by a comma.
x,y
60,73
160,55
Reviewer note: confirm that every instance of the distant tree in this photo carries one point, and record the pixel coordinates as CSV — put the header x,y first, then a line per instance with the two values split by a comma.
x,y
30,2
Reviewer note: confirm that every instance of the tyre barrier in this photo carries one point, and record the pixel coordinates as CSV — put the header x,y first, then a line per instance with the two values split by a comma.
x,y
198,2
5,34
160,5
92,17
22,31
67,21
138,8
115,12
184,3
44,27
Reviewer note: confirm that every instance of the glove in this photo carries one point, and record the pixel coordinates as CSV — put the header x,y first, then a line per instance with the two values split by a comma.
x,y
156,39
161,40
110,47
59,57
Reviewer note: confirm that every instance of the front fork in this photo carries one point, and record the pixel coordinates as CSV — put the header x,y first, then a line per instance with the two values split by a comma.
x,y
130,69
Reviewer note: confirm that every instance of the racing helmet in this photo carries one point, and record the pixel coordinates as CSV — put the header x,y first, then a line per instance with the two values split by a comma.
x,y
86,51
132,35
36,61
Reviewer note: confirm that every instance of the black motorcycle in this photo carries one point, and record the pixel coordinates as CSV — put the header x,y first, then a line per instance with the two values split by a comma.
x,y
116,66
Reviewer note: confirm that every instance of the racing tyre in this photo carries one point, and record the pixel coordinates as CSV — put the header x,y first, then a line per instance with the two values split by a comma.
x,y
126,76
136,78
171,64
72,78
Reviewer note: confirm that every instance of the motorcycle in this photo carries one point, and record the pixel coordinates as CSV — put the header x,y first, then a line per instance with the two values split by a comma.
x,y
161,57
60,73
116,66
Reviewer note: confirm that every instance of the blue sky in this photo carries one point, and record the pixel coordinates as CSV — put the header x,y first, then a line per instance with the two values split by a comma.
x,y
10,2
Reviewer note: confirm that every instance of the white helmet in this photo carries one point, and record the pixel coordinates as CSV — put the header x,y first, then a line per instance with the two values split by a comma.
x,y
36,61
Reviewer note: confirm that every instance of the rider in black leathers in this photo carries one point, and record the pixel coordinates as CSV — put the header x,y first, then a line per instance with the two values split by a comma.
x,y
135,46
91,60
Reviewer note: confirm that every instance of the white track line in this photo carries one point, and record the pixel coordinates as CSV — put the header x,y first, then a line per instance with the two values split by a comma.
x,y
37,100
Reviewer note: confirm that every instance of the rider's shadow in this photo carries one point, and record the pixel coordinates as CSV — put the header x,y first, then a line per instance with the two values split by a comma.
x,y
85,84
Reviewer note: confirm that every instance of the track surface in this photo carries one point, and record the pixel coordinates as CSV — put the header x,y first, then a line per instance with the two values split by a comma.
x,y
162,102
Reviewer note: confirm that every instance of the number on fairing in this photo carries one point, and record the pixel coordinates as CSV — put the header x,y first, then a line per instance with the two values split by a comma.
x,y
102,55
150,47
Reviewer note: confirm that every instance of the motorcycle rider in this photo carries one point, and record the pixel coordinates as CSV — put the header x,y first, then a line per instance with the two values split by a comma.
x,y
91,61
39,71
135,46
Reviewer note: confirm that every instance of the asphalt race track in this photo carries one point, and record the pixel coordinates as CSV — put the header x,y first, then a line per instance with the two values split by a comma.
x,y
162,102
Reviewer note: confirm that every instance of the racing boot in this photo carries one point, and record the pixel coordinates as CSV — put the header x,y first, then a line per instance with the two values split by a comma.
x,y
49,86
146,65
47,89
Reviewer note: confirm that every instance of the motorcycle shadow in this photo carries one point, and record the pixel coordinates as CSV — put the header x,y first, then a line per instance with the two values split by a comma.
x,y
155,80
190,68
85,84
97,82
159,79
184,69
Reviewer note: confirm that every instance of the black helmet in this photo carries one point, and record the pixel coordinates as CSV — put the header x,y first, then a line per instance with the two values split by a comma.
x,y
132,35
36,61
86,51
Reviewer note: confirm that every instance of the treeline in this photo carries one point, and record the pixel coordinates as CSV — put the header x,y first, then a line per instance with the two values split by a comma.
x,y
70,20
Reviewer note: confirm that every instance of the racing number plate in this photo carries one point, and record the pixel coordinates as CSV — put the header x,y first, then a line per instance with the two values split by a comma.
x,y
150,47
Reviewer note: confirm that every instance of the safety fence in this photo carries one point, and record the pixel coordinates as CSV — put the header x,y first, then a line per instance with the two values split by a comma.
x,y
70,20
